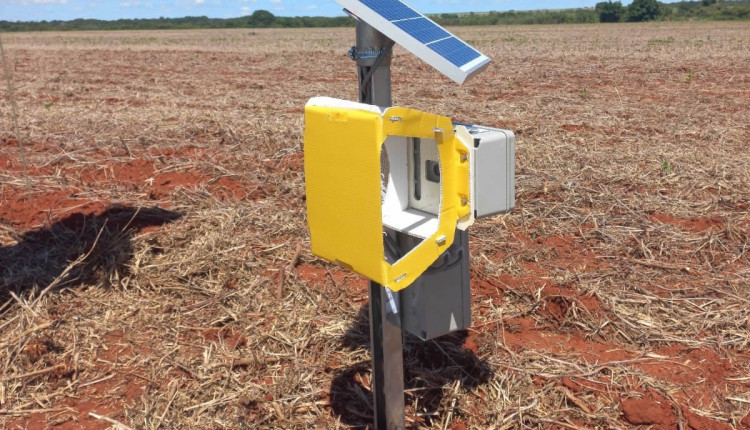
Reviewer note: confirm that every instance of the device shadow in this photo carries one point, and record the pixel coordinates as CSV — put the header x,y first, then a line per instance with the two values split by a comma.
x,y
77,249
429,367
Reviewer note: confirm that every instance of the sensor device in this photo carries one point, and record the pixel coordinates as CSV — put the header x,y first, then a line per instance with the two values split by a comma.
x,y
439,179
346,211
493,167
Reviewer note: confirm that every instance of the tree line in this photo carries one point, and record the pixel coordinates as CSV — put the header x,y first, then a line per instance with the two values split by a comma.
x,y
606,11
652,10
258,19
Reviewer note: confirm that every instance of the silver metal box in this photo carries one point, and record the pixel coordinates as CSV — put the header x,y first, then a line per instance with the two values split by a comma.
x,y
494,170
439,302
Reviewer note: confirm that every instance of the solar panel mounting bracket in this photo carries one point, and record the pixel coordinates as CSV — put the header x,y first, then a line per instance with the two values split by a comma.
x,y
419,35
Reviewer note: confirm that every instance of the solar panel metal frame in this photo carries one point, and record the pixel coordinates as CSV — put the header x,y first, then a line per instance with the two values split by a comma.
x,y
411,42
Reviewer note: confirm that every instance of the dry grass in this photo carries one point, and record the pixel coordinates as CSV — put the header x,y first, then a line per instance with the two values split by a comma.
x,y
621,280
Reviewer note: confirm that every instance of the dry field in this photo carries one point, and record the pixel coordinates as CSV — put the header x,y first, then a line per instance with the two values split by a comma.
x,y
142,248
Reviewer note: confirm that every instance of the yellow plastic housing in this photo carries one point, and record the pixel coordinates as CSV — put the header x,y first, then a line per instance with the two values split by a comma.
x,y
343,144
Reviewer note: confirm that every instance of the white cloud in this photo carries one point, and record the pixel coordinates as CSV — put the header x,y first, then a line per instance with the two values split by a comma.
x,y
199,1
25,2
135,3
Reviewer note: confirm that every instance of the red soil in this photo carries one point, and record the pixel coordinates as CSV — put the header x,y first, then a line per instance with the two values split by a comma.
x,y
24,210
694,224
459,424
489,288
651,410
96,396
523,333
142,174
319,277
697,422
655,410
701,373
576,127
131,173
8,141
225,336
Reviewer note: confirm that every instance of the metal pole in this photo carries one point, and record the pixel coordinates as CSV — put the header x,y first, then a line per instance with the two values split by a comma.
x,y
387,362
373,56
373,49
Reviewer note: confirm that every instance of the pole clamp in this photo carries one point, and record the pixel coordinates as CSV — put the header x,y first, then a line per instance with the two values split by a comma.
x,y
365,54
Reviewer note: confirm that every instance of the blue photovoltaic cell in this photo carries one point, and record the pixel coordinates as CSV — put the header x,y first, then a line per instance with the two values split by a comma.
x,y
455,51
391,9
423,29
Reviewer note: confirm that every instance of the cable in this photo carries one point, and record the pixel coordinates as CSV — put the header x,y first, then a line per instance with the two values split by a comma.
x,y
386,52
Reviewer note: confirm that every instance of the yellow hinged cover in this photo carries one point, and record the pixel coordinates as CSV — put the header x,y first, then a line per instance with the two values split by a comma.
x,y
343,144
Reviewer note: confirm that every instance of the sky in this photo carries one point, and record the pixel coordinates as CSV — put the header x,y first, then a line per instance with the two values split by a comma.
x,y
37,10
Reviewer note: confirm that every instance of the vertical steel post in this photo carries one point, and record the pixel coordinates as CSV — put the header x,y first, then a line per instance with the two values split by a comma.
x,y
373,56
373,48
386,345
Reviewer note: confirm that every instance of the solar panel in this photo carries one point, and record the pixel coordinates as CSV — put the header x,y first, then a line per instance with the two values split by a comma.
x,y
420,35
391,10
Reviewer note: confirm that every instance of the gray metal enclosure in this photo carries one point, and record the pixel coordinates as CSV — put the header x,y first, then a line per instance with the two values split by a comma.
x,y
439,302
